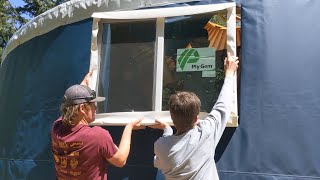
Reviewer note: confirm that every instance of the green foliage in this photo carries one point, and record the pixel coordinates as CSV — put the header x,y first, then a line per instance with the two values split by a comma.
x,y
219,19
8,20
207,89
36,7
11,18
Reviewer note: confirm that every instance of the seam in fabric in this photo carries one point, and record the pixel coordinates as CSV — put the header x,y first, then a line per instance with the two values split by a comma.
x,y
268,174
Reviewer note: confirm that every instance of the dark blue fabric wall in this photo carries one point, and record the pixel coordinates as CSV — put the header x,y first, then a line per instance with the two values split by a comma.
x,y
33,79
280,94
279,98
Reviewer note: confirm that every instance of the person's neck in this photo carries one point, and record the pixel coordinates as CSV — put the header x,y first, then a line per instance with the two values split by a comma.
x,y
83,121
179,132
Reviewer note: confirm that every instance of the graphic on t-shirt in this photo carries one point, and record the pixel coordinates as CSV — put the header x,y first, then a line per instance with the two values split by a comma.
x,y
76,144
75,173
74,153
56,158
74,163
63,163
63,171
63,145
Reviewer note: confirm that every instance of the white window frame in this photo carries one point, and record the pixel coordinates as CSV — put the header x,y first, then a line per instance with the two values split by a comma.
x,y
159,14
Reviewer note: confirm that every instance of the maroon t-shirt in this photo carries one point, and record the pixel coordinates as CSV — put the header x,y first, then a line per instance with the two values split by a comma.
x,y
81,152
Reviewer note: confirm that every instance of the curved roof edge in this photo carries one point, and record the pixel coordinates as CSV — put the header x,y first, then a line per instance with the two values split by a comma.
x,y
74,11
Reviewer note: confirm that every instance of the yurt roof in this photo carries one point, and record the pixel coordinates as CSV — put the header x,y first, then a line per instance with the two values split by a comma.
x,y
74,11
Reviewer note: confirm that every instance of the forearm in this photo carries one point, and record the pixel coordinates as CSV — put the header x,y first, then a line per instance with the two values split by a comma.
x,y
224,100
222,107
167,131
124,147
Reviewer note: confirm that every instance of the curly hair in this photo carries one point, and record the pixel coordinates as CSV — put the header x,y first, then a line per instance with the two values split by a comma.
x,y
70,114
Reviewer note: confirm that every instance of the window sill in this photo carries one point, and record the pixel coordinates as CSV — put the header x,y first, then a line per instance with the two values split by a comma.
x,y
123,118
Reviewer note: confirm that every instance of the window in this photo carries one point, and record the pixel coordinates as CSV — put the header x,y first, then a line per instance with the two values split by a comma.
x,y
144,56
126,68
184,35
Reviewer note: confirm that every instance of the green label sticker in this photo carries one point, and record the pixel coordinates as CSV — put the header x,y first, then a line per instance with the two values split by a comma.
x,y
195,59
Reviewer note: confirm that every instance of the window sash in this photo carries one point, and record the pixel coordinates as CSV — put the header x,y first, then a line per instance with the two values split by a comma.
x,y
159,14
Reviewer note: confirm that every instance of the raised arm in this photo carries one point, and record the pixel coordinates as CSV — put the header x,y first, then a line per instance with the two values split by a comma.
x,y
86,79
220,112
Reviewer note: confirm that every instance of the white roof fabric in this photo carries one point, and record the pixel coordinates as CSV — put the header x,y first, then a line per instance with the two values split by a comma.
x,y
163,12
74,11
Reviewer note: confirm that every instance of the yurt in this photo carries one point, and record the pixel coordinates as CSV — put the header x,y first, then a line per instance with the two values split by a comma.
x,y
141,52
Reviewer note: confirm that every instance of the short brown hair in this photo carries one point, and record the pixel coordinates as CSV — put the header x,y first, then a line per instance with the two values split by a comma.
x,y
70,114
184,107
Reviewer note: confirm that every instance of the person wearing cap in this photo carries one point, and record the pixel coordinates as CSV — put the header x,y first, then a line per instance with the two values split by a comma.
x,y
81,151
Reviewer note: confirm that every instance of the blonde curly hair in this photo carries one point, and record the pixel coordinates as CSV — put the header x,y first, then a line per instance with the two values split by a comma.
x,y
70,114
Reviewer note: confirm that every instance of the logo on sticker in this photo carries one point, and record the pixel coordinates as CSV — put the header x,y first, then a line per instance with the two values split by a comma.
x,y
188,56
195,59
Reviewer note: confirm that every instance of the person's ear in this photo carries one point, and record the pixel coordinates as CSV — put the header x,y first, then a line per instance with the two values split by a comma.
x,y
195,120
82,109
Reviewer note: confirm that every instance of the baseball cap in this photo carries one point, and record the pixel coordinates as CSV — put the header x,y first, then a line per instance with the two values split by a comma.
x,y
78,94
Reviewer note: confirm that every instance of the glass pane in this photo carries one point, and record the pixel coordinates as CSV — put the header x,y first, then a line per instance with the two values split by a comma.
x,y
126,69
193,59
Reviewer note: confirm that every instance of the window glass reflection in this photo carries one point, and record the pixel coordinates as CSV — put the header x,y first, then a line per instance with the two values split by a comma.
x,y
181,35
126,69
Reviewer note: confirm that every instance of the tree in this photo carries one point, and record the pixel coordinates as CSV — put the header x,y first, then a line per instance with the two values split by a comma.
x,y
11,19
36,7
